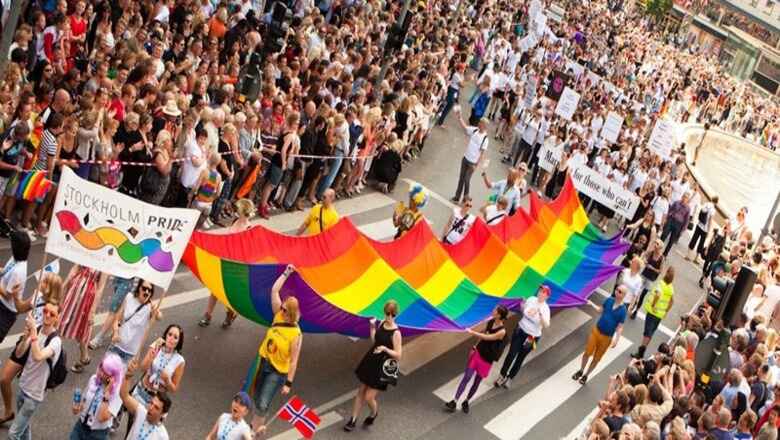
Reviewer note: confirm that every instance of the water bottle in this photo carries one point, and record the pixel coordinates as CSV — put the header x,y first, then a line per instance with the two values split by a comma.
x,y
77,396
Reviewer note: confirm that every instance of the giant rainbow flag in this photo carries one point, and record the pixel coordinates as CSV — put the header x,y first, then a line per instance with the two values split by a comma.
x,y
344,278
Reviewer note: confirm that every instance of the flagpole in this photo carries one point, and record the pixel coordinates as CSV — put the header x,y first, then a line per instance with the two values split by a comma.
x,y
276,415
40,279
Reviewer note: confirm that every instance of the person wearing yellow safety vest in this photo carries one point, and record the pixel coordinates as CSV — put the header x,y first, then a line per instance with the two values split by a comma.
x,y
656,307
279,352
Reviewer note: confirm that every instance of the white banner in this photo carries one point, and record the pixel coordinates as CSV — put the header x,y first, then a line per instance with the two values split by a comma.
x,y
611,128
549,158
117,234
605,191
567,104
662,138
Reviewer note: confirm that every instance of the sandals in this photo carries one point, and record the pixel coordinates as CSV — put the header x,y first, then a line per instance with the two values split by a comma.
x,y
229,318
78,367
583,379
205,321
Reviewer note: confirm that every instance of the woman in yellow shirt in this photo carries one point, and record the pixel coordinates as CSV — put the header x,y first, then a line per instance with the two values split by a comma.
x,y
279,352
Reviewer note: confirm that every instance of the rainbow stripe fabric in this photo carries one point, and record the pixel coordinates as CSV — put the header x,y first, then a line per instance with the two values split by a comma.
x,y
33,186
344,278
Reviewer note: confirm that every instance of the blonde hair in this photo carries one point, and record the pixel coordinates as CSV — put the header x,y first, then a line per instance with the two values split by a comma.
x,y
245,207
291,310
51,284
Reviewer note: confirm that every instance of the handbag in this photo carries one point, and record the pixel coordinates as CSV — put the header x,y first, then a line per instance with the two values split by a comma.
x,y
388,372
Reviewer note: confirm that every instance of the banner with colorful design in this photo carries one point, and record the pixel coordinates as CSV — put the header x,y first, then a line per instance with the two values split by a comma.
x,y
103,229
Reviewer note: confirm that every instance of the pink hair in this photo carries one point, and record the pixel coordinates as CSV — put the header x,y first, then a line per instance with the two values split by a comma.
x,y
113,366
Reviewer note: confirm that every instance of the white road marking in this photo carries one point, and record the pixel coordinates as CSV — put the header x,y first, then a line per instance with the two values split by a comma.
x,y
382,230
516,421
326,420
576,433
447,202
564,323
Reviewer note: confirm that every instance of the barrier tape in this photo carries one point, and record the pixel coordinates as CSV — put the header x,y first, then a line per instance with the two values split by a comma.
x,y
182,159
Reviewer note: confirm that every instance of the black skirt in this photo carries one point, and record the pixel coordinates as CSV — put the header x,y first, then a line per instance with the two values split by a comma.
x,y
369,369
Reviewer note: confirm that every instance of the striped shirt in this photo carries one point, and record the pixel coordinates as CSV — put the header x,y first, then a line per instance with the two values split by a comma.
x,y
47,149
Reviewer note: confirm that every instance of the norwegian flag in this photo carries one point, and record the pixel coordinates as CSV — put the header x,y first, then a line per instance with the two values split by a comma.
x,y
303,418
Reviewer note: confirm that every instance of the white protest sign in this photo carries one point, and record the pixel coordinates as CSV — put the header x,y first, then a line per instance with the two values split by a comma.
x,y
593,78
549,158
605,191
576,68
530,92
662,138
611,128
117,234
534,9
567,104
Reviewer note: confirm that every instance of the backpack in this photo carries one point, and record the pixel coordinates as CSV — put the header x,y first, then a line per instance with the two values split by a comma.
x,y
59,369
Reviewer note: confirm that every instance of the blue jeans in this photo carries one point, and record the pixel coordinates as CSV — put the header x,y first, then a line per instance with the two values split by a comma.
x,y
518,350
82,432
268,383
333,171
25,408
122,286
227,188
449,102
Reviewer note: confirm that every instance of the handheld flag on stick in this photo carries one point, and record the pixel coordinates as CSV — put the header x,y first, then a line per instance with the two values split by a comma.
x,y
33,186
303,418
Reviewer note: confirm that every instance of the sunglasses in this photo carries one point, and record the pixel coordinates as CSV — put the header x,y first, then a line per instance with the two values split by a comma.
x,y
146,289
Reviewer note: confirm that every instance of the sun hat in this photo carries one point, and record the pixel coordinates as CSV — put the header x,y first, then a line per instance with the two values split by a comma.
x,y
171,109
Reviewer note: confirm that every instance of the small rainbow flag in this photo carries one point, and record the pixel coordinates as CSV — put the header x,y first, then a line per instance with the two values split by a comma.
x,y
33,186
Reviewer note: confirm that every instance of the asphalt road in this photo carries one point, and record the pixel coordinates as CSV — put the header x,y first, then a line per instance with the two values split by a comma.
x,y
544,403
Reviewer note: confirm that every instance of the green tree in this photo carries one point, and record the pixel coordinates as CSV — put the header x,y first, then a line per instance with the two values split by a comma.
x,y
658,8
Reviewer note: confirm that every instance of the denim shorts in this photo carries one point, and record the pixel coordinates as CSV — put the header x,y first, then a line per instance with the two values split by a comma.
x,y
267,384
122,286
126,357
274,176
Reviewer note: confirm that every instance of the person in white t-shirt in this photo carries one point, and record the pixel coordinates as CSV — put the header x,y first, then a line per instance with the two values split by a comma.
x,y
12,279
100,403
460,223
148,420
631,279
232,426
195,152
495,212
44,346
475,151
536,316
131,321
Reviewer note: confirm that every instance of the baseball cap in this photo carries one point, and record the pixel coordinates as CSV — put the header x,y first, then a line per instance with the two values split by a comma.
x,y
544,288
243,398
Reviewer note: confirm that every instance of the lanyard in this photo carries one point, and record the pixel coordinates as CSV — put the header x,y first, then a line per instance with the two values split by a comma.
x,y
157,372
94,404
224,433
142,433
